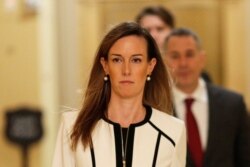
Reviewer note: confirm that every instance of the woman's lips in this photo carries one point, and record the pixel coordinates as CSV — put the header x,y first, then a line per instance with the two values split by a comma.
x,y
126,82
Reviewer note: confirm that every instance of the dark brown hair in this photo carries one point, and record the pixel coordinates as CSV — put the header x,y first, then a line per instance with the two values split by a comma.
x,y
97,96
180,32
164,14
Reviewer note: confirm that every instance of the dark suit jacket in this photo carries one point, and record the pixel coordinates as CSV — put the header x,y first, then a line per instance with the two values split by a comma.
x,y
228,143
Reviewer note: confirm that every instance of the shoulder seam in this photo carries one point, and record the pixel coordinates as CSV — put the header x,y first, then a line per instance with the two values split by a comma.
x,y
162,133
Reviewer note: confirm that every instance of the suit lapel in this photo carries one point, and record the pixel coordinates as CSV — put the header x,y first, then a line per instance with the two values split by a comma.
x,y
189,161
212,100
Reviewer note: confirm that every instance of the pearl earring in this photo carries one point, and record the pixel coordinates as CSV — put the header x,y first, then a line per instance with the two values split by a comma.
x,y
106,78
148,78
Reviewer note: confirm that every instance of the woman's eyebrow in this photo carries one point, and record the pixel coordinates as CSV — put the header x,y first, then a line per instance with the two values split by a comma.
x,y
115,54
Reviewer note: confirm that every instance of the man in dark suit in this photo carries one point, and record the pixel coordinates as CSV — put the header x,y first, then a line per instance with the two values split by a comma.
x,y
216,119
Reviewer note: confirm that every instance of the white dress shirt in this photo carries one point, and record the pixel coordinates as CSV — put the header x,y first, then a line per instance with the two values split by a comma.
x,y
199,108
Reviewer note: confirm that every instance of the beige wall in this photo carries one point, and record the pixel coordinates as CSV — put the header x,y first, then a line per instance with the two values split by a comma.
x,y
234,39
19,83
235,29
28,76
246,48
89,34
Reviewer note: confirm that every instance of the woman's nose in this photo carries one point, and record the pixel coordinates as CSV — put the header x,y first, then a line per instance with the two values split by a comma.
x,y
126,68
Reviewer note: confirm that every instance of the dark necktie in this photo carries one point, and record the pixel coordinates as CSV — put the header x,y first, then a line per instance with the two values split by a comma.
x,y
194,141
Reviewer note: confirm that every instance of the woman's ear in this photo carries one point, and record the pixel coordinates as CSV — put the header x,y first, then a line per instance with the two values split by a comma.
x,y
104,65
151,65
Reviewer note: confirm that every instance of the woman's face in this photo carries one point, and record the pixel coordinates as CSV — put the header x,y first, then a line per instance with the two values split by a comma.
x,y
156,27
128,66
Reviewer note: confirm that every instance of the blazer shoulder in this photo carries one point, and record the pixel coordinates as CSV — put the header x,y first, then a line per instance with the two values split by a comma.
x,y
220,91
226,100
68,118
168,124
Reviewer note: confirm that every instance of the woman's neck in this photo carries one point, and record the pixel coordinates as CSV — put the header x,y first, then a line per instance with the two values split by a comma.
x,y
126,112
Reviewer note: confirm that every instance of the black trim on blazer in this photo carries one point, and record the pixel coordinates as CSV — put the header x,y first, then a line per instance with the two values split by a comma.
x,y
130,146
92,155
156,149
162,133
118,145
144,121
130,142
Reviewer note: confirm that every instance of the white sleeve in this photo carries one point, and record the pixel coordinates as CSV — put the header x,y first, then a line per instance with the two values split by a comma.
x,y
179,157
63,155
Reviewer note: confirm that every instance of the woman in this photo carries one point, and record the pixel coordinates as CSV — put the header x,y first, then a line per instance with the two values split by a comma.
x,y
159,21
121,122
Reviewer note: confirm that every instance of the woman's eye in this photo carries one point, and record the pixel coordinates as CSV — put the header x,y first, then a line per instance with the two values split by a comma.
x,y
116,60
136,60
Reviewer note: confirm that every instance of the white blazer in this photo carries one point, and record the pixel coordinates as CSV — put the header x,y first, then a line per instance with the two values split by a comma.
x,y
159,140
